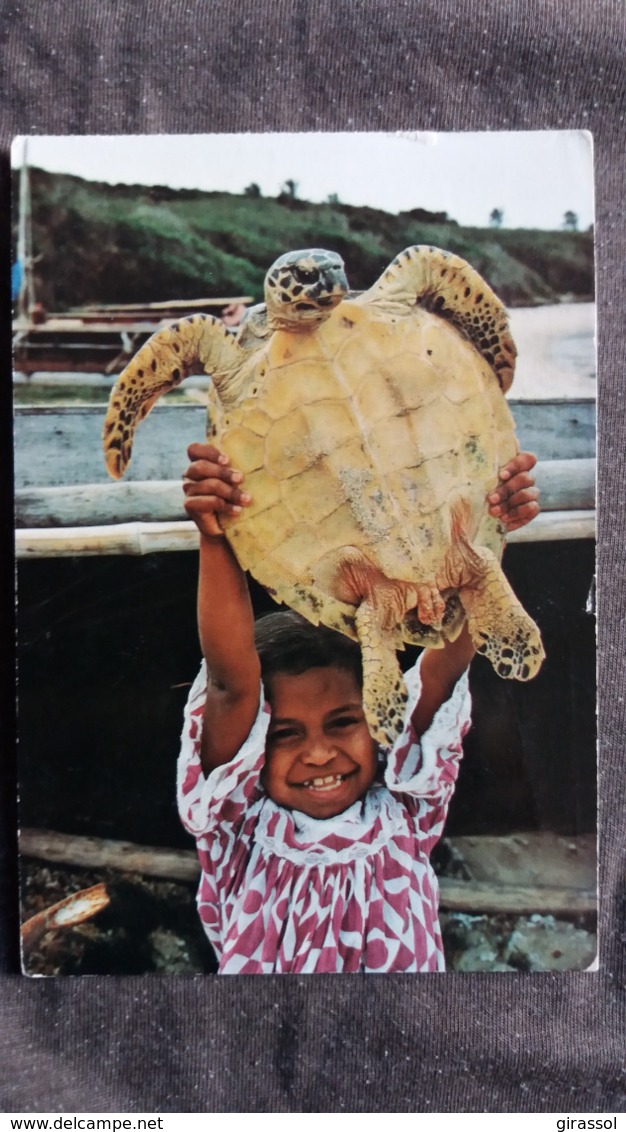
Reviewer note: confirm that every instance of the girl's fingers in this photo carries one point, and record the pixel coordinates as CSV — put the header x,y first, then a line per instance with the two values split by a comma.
x,y
205,504
521,482
207,462
523,462
514,501
204,511
520,516
215,489
209,469
207,452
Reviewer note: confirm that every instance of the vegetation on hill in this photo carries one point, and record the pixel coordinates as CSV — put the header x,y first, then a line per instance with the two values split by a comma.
x,y
130,244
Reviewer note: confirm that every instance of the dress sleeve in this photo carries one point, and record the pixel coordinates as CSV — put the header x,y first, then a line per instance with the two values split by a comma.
x,y
427,766
226,794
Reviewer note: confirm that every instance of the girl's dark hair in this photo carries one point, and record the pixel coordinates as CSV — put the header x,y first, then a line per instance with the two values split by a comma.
x,y
286,642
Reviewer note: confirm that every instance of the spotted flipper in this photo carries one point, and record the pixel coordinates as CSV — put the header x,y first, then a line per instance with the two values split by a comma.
x,y
193,345
498,625
384,690
447,286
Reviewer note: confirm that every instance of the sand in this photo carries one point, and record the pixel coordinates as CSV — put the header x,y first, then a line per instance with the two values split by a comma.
x,y
556,351
556,358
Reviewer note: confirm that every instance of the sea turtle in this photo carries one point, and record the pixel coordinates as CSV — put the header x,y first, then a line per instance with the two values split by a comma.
x,y
370,430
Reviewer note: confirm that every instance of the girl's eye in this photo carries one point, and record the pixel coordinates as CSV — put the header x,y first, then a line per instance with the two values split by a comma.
x,y
283,735
345,721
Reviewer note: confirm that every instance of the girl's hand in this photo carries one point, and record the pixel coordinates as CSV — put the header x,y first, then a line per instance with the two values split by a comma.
x,y
212,488
515,501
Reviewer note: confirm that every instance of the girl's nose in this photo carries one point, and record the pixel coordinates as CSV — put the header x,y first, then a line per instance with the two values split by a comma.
x,y
319,753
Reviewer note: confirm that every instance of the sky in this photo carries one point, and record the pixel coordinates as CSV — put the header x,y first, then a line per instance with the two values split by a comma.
x,y
534,177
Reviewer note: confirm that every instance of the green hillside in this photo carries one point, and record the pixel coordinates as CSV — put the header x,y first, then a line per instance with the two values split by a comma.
x,y
123,244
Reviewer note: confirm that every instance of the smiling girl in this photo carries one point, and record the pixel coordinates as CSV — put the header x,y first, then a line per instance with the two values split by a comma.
x,y
314,844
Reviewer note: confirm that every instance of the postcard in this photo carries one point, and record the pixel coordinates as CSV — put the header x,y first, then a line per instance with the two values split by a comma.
x,y
305,509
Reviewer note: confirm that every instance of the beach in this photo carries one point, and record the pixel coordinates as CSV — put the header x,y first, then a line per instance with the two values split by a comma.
x,y
556,351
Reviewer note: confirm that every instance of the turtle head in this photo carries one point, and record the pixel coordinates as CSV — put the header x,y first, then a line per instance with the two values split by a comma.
x,y
302,288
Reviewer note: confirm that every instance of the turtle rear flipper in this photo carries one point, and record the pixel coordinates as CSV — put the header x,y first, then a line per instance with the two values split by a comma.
x,y
379,604
498,625
384,690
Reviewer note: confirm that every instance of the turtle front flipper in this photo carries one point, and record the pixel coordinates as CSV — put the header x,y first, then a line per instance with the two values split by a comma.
x,y
449,287
498,625
192,345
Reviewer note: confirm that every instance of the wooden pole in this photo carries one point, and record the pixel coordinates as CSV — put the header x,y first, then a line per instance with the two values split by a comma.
x,y
484,897
75,909
26,297
150,538
472,896
565,485
101,853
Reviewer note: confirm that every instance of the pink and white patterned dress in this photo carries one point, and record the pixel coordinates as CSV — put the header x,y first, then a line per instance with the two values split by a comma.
x,y
283,892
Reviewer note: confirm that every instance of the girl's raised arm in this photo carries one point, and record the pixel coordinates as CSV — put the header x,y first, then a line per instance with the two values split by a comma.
x,y
225,618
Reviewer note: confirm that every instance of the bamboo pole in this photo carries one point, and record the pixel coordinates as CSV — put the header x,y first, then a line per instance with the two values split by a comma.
x,y
557,526
123,538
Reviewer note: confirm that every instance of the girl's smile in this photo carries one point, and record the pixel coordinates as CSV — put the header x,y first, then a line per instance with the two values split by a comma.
x,y
320,755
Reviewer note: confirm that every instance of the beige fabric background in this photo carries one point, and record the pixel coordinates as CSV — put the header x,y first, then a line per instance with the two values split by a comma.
x,y
391,1044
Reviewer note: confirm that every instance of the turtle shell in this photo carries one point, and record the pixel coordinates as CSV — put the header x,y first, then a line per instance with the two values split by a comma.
x,y
362,433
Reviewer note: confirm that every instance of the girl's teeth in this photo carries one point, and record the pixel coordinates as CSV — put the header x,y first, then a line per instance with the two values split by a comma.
x,y
325,783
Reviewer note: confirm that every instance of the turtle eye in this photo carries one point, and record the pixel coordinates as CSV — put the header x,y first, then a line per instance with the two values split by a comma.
x,y
306,275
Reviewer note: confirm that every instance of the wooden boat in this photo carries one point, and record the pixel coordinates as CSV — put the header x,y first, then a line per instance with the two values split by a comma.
x,y
103,339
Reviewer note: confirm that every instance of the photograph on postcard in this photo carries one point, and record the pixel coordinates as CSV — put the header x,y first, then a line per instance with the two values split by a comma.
x,y
305,509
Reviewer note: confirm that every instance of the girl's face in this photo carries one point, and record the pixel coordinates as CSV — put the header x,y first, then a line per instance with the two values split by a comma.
x,y
320,755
